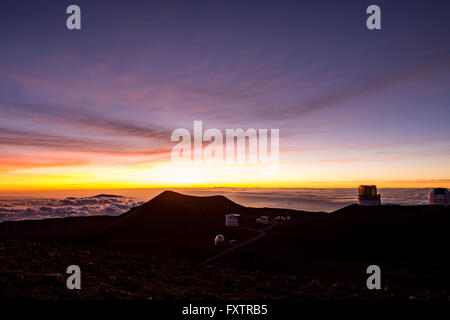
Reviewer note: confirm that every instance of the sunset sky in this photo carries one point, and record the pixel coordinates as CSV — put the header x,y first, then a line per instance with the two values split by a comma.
x,y
95,108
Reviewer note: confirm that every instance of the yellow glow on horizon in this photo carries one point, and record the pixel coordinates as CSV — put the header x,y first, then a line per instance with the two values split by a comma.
x,y
170,175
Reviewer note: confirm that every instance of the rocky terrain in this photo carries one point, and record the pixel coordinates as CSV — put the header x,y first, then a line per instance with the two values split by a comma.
x,y
30,270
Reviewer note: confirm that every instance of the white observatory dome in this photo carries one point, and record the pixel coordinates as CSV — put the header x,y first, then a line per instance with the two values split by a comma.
x,y
219,240
439,196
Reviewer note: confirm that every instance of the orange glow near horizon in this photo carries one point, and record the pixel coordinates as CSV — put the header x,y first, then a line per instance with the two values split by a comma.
x,y
164,174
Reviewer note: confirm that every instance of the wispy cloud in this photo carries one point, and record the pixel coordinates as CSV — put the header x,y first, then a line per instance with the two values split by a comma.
x,y
80,118
28,138
357,90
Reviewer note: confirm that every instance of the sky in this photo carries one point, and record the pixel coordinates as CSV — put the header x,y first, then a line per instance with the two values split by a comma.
x,y
95,108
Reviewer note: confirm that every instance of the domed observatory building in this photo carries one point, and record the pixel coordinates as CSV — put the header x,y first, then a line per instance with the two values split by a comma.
x,y
368,196
219,240
439,196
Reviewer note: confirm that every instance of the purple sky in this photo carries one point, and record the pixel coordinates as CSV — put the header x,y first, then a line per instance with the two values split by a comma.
x,y
350,103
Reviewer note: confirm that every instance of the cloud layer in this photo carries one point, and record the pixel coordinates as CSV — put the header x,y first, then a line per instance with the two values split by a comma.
x,y
324,199
31,208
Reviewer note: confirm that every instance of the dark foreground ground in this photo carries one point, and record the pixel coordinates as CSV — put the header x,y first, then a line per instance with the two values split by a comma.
x,y
157,251
33,270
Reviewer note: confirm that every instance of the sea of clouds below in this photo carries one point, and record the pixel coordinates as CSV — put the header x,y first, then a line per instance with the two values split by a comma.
x,y
15,208
320,199
32,208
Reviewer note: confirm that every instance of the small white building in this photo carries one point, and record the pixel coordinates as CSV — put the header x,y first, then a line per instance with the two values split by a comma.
x,y
231,220
439,196
263,220
368,196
